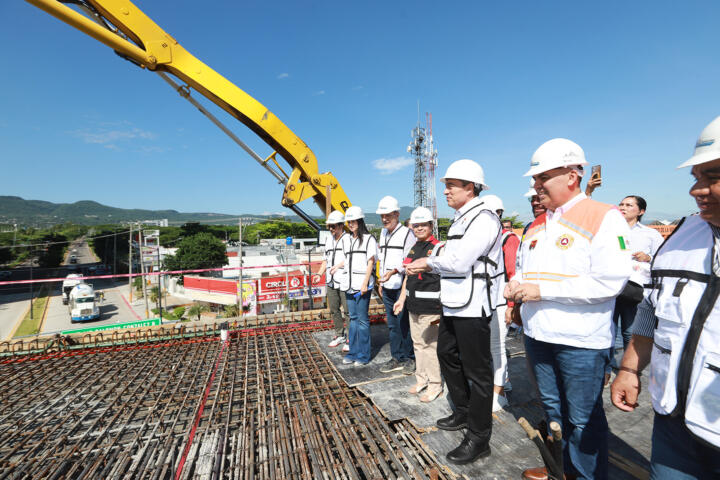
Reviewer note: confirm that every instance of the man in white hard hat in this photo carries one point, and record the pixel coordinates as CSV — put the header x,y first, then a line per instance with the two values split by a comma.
x,y
677,331
471,281
396,240
498,328
573,262
332,268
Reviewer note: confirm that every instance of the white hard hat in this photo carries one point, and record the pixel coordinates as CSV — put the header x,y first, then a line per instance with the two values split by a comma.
x,y
531,192
354,213
555,153
707,147
335,217
493,202
421,215
387,205
467,170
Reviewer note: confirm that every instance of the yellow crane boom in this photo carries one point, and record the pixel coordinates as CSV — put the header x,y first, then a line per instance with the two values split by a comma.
x,y
122,26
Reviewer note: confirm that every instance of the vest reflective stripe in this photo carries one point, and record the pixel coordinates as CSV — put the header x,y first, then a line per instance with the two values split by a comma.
x,y
547,276
458,291
391,252
356,263
576,228
685,361
334,281
423,294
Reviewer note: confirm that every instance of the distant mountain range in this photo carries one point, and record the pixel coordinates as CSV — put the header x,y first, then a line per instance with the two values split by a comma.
x,y
39,213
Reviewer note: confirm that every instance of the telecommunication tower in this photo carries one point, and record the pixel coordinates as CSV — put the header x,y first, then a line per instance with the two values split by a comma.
x,y
422,148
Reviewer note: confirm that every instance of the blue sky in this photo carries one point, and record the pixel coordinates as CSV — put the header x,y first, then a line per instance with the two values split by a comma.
x,y
633,83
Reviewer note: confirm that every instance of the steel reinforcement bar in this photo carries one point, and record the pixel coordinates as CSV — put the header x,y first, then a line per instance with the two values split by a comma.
x,y
265,406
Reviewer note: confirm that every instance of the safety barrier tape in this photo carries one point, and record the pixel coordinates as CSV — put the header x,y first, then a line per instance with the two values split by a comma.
x,y
163,272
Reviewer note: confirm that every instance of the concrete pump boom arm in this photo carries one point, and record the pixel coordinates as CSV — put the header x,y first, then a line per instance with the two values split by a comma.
x,y
122,26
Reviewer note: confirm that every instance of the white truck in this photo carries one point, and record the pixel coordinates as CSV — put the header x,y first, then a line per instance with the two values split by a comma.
x,y
68,284
83,303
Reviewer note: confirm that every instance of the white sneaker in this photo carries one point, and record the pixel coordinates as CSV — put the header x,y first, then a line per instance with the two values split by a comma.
x,y
499,402
336,341
359,364
346,348
347,361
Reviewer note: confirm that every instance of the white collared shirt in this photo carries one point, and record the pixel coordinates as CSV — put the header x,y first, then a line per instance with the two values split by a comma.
x,y
647,240
554,215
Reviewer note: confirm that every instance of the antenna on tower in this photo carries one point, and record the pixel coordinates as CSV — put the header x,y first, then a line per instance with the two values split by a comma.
x,y
424,154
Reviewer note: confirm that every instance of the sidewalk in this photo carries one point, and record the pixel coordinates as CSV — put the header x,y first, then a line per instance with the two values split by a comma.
x,y
13,308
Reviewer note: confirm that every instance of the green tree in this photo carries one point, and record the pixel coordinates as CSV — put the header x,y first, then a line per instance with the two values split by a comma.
x,y
516,222
196,252
230,311
196,310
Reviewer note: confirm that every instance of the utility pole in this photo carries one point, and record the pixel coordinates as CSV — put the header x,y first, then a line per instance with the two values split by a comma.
x,y
142,271
115,256
130,263
240,272
32,260
159,279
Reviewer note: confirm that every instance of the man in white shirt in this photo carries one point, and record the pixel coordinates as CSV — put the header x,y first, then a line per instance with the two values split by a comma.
x,y
395,243
471,280
573,262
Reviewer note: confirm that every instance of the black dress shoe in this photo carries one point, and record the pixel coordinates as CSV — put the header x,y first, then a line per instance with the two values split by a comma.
x,y
453,422
468,451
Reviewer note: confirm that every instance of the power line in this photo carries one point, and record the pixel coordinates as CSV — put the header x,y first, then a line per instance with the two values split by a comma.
x,y
44,244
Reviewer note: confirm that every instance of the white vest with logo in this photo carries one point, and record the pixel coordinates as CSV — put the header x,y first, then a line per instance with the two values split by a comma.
x,y
391,247
481,288
685,365
356,259
334,255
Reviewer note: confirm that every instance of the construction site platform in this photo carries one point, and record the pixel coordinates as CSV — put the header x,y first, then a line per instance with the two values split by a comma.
x,y
270,402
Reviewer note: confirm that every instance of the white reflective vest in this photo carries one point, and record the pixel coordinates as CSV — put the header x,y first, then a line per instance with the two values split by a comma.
x,y
685,362
392,253
357,253
478,291
333,256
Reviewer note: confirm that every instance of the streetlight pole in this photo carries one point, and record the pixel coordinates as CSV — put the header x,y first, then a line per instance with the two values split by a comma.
x,y
32,260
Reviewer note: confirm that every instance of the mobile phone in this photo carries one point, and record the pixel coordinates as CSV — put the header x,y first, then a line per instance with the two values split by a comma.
x,y
596,171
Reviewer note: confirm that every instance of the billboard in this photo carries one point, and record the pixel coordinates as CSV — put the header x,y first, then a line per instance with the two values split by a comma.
x,y
272,289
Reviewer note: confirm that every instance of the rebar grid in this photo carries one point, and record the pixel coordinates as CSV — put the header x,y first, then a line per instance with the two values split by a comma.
x,y
260,406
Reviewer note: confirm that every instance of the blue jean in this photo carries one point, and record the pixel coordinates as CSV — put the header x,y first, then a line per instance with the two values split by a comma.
x,y
401,345
677,455
359,329
570,381
623,318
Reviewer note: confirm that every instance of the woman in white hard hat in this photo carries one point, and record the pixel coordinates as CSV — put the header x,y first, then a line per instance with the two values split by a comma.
x,y
420,296
677,331
361,253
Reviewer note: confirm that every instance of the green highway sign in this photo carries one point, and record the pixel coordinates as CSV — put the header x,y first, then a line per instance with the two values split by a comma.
x,y
150,322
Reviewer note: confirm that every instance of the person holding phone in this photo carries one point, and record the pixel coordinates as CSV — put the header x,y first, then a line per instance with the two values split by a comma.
x,y
595,180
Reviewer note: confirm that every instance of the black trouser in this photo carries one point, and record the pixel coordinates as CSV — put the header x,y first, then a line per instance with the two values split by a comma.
x,y
463,350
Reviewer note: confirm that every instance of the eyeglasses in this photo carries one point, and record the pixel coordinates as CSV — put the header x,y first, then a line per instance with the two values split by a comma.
x,y
420,225
333,226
